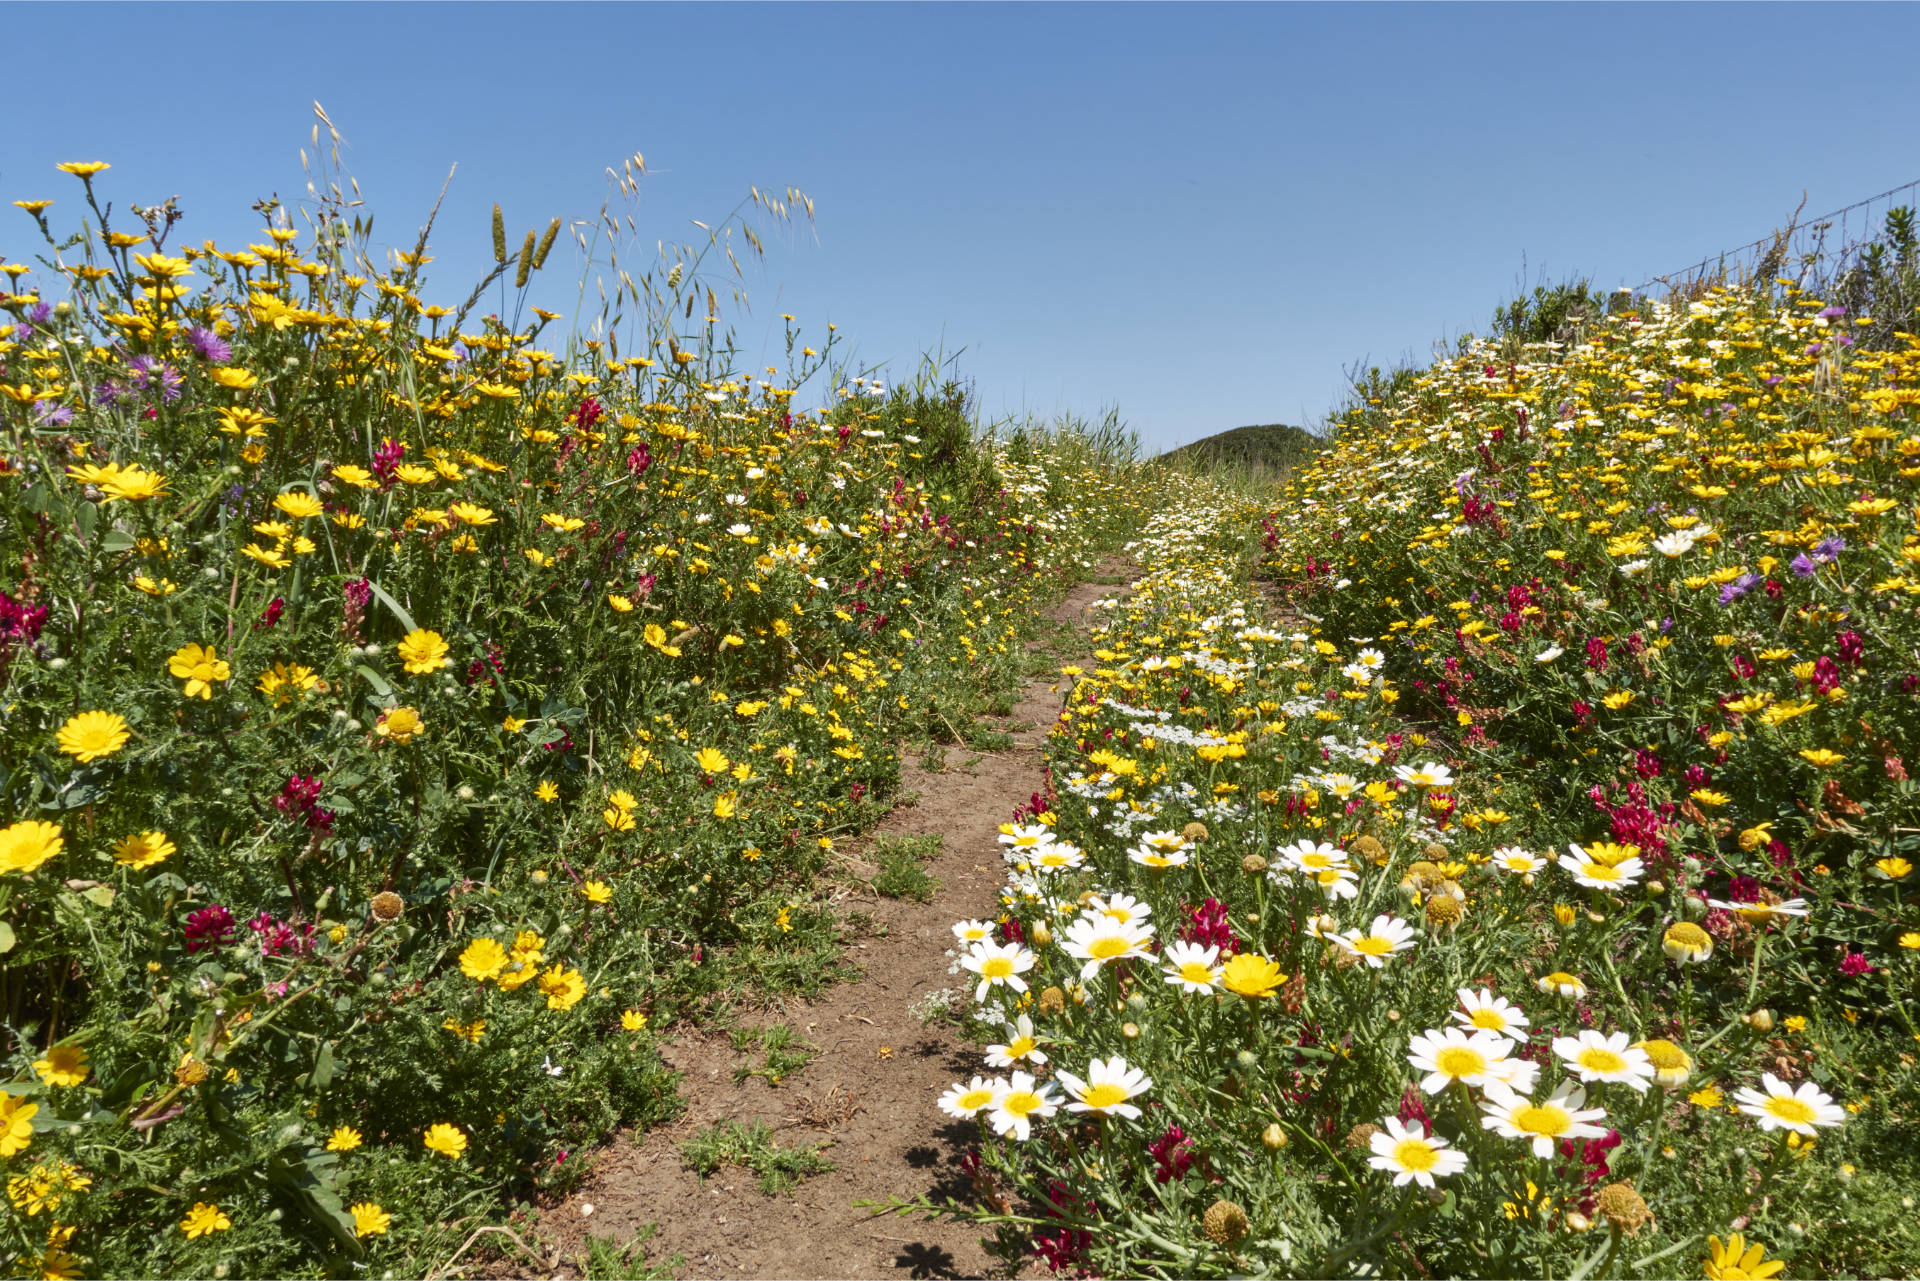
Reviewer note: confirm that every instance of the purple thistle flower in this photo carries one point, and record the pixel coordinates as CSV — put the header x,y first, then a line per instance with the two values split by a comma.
x,y
1832,313
156,376
1828,550
210,345
51,413
1802,566
1739,587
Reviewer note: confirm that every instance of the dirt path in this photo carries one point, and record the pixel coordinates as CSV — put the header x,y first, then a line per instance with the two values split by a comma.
x,y
871,1093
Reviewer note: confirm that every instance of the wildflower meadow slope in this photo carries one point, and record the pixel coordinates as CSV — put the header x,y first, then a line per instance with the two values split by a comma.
x,y
407,711
1492,854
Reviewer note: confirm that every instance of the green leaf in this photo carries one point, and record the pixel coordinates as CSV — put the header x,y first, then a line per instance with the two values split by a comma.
x,y
102,895
399,611
116,540
376,680
6,937
322,1075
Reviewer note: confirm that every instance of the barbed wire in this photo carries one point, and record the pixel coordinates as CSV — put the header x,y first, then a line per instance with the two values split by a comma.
x,y
1816,227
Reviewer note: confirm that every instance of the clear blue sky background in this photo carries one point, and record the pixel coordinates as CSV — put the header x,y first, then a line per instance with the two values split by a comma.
x,y
1200,214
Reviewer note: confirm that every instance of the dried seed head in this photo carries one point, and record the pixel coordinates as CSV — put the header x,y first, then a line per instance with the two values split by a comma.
x,y
1225,1223
1361,1135
1435,851
1253,865
1623,1207
1053,1001
1195,832
526,263
387,906
1444,911
546,245
1370,849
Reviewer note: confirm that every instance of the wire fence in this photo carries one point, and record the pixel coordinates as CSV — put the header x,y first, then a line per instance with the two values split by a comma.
x,y
1812,252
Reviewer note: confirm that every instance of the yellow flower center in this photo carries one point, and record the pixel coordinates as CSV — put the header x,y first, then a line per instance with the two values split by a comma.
x,y
1195,972
1492,1020
1415,1154
1156,860
1105,949
997,967
1600,872
1020,1102
1104,1095
1373,945
1020,1047
1596,1059
1542,1118
1460,1060
1315,862
974,1100
1791,1110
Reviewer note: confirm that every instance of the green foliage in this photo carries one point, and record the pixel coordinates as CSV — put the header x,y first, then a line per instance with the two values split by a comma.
x,y
1261,453
753,1147
608,1260
901,875
785,1053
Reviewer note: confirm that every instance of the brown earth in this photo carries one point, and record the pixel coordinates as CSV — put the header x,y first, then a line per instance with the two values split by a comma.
x,y
870,1095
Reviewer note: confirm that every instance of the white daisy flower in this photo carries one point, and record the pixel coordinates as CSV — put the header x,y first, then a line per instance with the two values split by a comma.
x,y
998,964
1516,861
1338,883
1016,1105
1594,1056
1601,876
1191,967
1109,1084
1386,936
1548,654
1021,1045
1099,939
1761,913
1056,857
1147,856
1313,856
970,932
1164,842
964,1102
1411,1155
1121,907
1025,838
1447,1055
1491,1013
1778,1106
1432,774
1562,1115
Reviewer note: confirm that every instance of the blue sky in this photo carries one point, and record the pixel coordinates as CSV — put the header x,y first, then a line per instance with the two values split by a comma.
x,y
1199,214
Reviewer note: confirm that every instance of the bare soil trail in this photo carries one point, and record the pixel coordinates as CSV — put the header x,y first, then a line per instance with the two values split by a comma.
x,y
870,1095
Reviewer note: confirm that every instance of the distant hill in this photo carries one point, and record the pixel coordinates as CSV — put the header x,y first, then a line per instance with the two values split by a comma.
x,y
1263,449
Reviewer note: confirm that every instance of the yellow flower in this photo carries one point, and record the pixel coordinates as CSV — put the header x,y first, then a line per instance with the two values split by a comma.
x,y
63,1065
423,651
144,849
298,504
136,485
565,524
632,1020
369,1219
16,1124
92,735
400,725
1756,836
726,804
513,724
711,760
1737,1261
28,844
1708,1097
472,514
547,792
204,1219
447,1140
199,666
467,1031
483,959
1911,940
271,557
358,477
83,168
1894,868
597,892
345,1139
285,680
617,819
1252,976
620,604
563,988
1821,757
1618,699
1707,796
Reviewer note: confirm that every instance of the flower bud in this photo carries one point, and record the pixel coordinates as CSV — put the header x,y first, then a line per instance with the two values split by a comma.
x,y
1578,1222
1760,1020
1656,888
1253,865
1042,936
1563,913
1274,1137
1130,1030
1246,1060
